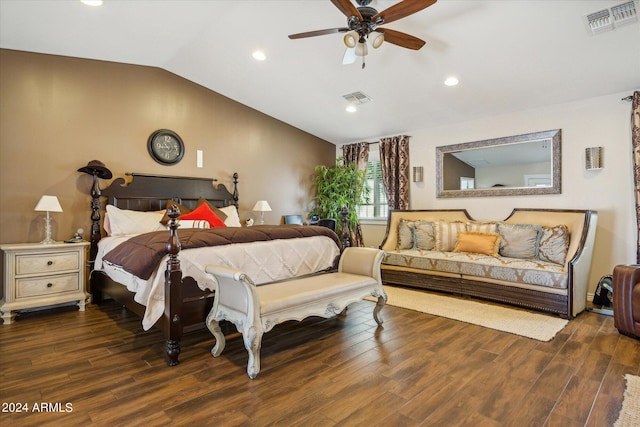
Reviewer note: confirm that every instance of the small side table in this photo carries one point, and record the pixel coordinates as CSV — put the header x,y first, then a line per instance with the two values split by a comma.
x,y
37,275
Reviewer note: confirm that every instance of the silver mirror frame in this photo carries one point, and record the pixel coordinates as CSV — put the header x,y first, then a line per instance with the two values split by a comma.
x,y
556,164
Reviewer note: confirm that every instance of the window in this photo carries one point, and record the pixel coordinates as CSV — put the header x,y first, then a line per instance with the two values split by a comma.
x,y
377,208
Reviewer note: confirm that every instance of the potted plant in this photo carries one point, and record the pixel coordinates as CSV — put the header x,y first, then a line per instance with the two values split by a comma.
x,y
337,187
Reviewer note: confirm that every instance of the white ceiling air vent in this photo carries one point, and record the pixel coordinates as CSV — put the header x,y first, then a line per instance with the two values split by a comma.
x,y
607,19
357,98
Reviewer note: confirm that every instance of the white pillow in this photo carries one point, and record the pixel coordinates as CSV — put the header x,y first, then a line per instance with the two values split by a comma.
x,y
232,220
122,221
193,223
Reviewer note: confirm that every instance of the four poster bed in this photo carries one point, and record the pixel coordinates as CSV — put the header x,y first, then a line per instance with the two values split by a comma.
x,y
137,262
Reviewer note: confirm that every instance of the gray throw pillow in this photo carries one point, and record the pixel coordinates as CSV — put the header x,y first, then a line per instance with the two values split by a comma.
x,y
425,237
519,240
405,234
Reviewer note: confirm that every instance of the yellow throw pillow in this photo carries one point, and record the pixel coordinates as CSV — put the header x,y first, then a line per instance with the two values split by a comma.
x,y
478,243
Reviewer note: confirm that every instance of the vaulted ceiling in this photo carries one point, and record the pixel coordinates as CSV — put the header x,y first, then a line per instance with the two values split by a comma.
x,y
508,56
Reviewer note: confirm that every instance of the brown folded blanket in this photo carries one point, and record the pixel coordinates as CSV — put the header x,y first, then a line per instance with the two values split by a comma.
x,y
141,254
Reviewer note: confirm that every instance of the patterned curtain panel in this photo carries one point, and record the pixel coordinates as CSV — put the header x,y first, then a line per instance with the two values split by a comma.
x,y
356,153
635,144
394,162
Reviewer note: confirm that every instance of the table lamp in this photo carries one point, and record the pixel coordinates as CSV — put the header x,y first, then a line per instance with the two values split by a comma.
x,y
48,204
262,206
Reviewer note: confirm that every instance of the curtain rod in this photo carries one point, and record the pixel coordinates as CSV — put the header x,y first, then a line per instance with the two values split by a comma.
x,y
370,143
363,142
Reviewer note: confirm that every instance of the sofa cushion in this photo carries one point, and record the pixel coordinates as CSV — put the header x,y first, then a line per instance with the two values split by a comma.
x,y
425,237
554,243
482,227
405,234
516,270
479,243
519,240
447,234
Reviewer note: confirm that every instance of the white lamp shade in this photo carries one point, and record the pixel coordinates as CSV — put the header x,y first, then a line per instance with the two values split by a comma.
x,y
376,40
361,49
48,204
350,39
262,206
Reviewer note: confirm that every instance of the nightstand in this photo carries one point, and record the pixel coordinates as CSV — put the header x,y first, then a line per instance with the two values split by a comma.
x,y
37,275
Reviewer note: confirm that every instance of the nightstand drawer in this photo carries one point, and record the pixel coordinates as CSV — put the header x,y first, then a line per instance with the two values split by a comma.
x,y
41,286
46,263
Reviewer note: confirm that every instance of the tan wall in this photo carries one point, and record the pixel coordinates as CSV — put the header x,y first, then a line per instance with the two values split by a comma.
x,y
58,113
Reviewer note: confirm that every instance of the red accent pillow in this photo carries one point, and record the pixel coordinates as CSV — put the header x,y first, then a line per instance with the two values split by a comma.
x,y
204,212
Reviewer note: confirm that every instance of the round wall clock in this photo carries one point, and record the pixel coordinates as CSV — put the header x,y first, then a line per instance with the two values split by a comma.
x,y
165,147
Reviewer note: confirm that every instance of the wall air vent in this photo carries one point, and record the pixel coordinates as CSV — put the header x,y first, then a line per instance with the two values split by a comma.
x,y
615,16
357,98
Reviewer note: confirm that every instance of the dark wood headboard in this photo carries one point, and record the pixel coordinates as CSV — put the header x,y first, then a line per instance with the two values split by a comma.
x,y
151,192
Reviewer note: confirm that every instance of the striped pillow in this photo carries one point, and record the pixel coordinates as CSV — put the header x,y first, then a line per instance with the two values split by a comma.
x,y
447,234
481,227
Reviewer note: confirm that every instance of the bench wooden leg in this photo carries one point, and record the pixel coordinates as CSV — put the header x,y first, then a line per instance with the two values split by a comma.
x,y
382,300
214,328
252,337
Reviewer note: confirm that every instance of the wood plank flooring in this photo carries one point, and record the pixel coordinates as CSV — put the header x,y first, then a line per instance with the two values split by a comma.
x,y
417,370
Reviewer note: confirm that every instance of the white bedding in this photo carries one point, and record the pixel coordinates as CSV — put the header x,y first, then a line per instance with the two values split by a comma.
x,y
264,262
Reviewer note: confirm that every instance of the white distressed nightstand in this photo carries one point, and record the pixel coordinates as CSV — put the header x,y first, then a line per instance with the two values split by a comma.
x,y
37,275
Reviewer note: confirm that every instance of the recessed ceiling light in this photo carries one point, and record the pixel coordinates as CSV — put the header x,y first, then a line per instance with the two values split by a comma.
x,y
92,2
451,81
351,108
259,55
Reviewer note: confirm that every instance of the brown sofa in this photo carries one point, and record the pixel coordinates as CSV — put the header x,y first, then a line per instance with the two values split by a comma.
x,y
559,287
626,299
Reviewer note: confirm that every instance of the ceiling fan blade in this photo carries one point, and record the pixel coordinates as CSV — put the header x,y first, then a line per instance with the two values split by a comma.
x,y
401,39
347,8
349,56
402,9
318,33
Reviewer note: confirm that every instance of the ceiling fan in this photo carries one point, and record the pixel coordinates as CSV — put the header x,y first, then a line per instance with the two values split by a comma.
x,y
363,23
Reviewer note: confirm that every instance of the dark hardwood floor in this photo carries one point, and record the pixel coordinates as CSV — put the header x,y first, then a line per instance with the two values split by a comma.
x,y
418,370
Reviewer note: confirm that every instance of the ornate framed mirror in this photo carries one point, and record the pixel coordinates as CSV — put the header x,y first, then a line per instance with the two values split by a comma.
x,y
528,164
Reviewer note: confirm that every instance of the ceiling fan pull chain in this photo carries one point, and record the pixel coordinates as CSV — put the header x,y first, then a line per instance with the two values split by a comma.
x,y
363,64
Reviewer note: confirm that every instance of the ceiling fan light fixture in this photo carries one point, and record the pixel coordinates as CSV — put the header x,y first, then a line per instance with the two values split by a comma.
x,y
350,39
361,49
376,40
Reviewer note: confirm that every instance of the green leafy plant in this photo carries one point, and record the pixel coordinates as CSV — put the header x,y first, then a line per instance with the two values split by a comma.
x,y
337,187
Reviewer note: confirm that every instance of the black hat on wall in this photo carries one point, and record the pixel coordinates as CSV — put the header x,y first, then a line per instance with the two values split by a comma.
x,y
97,168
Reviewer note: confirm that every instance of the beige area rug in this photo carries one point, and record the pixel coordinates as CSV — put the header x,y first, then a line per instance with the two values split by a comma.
x,y
538,326
630,412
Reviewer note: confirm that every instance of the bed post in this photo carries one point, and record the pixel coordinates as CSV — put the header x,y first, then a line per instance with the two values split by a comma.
x,y
96,235
95,220
236,196
173,291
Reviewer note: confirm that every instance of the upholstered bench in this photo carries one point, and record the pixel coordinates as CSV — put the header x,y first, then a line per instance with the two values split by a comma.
x,y
255,310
